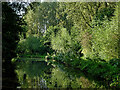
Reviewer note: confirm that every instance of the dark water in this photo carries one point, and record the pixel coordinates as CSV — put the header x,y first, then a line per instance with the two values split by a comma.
x,y
41,74
9,78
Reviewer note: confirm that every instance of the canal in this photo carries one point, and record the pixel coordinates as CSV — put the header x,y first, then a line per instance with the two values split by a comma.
x,y
42,74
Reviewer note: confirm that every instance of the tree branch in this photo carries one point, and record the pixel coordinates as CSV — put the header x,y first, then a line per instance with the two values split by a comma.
x,y
86,21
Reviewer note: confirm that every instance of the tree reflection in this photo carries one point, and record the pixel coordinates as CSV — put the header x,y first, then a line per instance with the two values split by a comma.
x,y
43,75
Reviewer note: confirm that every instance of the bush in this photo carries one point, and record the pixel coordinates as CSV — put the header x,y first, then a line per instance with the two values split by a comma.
x,y
67,46
115,62
32,45
104,41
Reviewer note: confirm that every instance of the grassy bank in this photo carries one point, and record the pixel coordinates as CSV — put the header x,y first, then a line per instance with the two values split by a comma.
x,y
28,57
107,72
32,56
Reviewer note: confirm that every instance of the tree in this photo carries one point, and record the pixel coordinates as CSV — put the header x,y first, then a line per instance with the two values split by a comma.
x,y
11,29
105,39
40,17
86,16
10,37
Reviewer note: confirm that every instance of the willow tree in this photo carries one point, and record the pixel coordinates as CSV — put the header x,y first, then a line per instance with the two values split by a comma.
x,y
86,16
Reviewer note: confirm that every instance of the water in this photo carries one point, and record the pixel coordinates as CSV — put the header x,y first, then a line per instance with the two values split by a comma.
x,y
41,74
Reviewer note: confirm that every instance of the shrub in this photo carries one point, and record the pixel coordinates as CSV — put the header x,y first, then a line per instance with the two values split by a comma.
x,y
32,45
67,46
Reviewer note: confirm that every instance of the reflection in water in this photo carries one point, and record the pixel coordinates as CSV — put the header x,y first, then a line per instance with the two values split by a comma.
x,y
9,78
44,75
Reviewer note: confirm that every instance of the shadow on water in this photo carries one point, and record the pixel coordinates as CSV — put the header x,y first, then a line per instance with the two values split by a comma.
x,y
9,78
40,74
87,81
31,74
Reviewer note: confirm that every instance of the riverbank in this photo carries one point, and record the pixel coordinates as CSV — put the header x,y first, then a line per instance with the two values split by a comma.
x,y
43,75
107,72
31,56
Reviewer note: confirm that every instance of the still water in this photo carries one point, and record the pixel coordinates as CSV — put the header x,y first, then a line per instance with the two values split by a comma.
x,y
41,74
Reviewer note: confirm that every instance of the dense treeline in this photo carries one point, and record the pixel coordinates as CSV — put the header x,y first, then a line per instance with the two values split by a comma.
x,y
65,27
11,27
84,35
79,34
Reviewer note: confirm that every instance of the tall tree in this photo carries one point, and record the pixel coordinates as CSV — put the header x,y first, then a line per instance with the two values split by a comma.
x,y
40,16
10,37
86,16
11,29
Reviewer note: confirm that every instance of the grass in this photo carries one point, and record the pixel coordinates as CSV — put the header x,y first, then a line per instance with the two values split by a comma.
x,y
32,56
29,58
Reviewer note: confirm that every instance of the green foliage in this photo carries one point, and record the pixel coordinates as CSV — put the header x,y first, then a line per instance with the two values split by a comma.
x,y
10,31
62,41
102,70
104,12
11,27
68,30
49,34
32,45
89,28
39,17
105,40
61,16
92,21
115,62
67,47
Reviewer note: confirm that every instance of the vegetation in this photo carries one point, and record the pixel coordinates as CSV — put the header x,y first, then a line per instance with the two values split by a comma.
x,y
11,27
82,35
